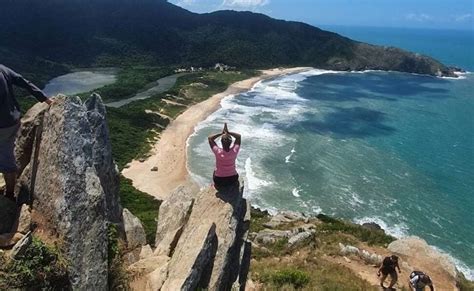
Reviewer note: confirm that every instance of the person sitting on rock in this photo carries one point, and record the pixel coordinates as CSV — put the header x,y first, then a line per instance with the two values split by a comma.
x,y
388,268
419,280
10,123
225,173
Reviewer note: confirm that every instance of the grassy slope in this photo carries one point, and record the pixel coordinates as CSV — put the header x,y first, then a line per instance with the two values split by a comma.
x,y
288,268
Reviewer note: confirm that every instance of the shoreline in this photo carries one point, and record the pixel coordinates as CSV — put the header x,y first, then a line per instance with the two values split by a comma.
x,y
169,154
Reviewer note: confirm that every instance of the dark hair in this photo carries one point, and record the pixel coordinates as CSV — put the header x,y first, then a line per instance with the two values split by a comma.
x,y
226,140
395,258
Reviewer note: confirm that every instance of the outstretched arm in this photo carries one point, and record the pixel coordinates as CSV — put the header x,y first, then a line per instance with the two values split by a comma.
x,y
212,139
19,81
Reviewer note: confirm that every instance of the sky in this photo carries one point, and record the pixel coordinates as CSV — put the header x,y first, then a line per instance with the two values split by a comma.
x,y
435,14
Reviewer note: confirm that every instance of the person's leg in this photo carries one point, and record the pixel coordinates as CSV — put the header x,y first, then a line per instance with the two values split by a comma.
x,y
393,279
7,158
384,276
10,181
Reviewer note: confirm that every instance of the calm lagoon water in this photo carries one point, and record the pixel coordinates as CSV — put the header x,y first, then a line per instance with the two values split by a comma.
x,y
80,82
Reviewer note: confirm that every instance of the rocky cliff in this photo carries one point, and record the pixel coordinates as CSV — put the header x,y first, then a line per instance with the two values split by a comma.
x,y
70,181
68,187
201,243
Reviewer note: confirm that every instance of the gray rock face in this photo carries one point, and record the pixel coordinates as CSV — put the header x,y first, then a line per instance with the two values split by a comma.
x,y
29,131
285,217
24,221
367,257
134,232
173,216
267,236
300,237
102,152
193,254
59,150
212,252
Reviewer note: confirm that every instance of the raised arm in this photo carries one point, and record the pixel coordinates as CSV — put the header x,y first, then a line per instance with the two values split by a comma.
x,y
212,138
19,81
238,137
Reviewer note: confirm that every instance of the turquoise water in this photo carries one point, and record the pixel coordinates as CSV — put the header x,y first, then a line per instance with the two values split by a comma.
x,y
393,148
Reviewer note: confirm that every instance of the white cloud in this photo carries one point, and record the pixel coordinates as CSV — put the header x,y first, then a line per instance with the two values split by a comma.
x,y
245,3
419,17
464,17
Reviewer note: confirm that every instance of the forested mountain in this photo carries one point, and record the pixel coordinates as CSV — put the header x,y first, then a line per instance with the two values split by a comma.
x,y
117,32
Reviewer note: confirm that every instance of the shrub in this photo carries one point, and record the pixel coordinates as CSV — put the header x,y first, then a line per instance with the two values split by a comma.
x,y
117,276
41,267
372,237
298,279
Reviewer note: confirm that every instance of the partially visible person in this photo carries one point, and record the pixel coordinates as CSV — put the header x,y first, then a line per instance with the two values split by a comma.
x,y
419,280
388,268
225,173
10,122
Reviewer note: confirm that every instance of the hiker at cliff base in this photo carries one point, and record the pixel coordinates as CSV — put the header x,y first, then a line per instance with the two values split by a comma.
x,y
419,280
225,173
10,122
388,268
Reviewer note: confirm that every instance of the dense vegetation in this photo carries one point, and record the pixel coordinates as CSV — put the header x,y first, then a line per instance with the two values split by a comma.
x,y
41,268
155,32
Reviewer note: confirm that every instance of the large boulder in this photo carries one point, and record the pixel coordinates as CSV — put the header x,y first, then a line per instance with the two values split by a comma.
x,y
59,149
173,216
423,254
193,254
134,231
106,168
209,252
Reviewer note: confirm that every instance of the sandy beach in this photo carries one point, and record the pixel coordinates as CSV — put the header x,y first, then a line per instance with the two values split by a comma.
x,y
169,153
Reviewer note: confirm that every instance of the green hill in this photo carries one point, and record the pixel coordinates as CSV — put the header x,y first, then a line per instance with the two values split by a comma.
x,y
155,32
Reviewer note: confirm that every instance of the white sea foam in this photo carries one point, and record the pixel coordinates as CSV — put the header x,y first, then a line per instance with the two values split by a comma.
x,y
397,230
253,181
288,157
296,191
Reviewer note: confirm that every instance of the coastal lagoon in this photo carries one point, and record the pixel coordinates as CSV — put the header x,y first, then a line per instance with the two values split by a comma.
x,y
80,82
388,147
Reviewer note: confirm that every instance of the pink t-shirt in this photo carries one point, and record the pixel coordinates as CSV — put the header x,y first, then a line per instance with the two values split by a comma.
x,y
225,161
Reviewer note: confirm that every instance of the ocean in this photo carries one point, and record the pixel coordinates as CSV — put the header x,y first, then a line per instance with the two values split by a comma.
x,y
393,148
